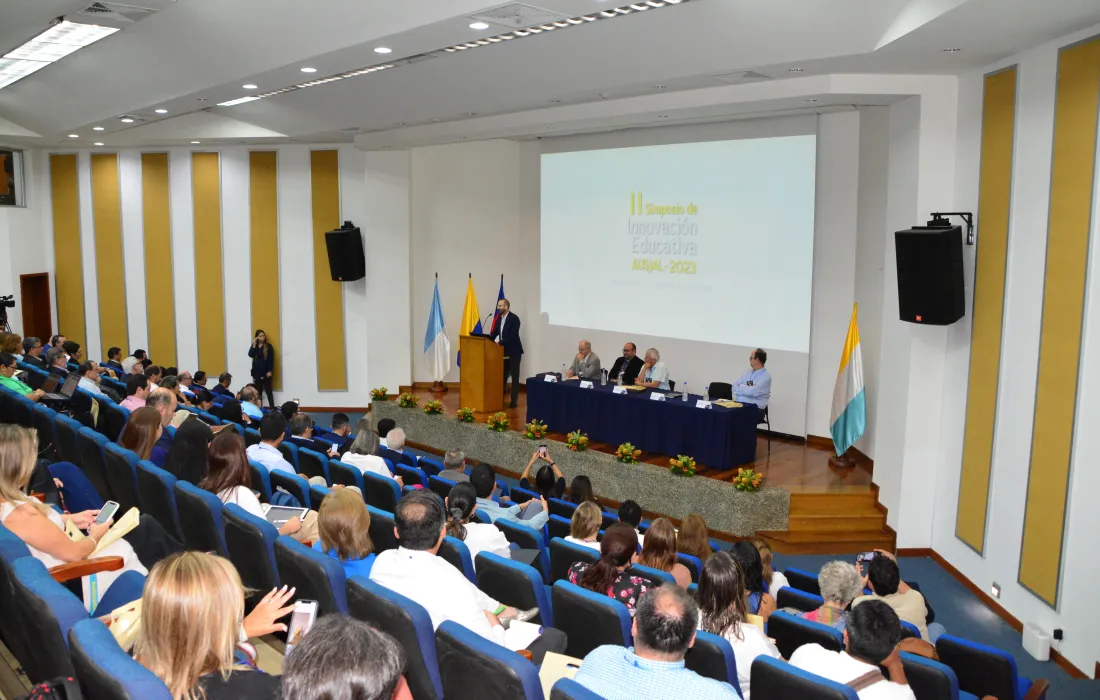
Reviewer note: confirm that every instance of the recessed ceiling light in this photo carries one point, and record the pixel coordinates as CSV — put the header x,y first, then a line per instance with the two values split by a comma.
x,y
660,87
470,114
74,136
952,49
249,86
195,142
401,123
97,128
555,101
794,70
811,100
479,25
161,111
309,70
99,143
662,116
382,49
126,120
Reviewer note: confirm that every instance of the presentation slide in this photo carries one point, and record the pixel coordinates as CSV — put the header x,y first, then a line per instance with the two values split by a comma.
x,y
709,241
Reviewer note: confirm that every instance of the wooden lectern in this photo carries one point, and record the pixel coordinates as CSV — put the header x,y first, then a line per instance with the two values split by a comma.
x,y
482,372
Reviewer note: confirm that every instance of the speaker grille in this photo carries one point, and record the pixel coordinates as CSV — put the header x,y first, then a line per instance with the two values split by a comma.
x,y
930,275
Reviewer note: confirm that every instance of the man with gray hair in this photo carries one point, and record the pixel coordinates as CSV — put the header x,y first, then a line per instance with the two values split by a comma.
x,y
250,403
586,364
654,374
665,622
454,466
56,362
395,448
165,402
32,352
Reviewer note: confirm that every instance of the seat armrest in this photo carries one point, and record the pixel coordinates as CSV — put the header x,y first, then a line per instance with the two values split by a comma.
x,y
1038,689
85,567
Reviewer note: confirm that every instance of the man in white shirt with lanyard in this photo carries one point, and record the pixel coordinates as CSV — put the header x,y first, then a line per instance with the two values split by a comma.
x,y
754,386
653,374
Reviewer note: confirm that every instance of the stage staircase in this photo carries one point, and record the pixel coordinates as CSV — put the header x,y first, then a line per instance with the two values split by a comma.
x,y
834,522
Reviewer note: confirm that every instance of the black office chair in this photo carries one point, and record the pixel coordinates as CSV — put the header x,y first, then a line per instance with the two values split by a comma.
x,y
720,390
767,423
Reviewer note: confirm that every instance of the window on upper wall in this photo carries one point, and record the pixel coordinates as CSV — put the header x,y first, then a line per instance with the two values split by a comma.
x,y
11,178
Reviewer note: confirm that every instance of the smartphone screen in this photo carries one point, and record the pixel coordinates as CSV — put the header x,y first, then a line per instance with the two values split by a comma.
x,y
301,620
865,557
106,512
542,451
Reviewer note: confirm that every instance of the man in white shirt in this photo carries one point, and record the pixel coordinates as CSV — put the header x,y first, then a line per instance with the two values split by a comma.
x,y
754,386
89,378
135,359
653,374
870,640
414,571
185,383
266,451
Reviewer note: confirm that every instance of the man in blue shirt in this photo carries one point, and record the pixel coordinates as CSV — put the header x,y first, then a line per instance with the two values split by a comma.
x,y
754,386
531,514
250,403
266,451
664,629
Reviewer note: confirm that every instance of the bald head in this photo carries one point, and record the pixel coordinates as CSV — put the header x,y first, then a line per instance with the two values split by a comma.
x,y
665,623
165,402
584,347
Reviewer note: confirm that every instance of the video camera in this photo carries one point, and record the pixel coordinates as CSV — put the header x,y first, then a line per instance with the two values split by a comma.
x,y
6,302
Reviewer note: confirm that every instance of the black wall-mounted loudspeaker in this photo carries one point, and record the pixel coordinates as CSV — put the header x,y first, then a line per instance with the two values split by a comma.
x,y
345,253
930,275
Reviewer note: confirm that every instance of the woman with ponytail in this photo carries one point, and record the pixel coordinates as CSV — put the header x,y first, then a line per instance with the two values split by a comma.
x,y
479,537
607,576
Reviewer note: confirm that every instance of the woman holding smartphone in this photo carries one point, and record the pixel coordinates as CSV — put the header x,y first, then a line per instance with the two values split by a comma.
x,y
263,365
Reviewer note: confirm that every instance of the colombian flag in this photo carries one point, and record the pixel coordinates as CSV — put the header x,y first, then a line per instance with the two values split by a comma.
x,y
471,317
849,416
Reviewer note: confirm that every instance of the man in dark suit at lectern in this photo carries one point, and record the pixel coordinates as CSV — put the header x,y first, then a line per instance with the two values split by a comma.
x,y
506,334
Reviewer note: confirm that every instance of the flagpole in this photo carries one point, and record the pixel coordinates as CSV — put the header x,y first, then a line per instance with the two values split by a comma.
x,y
438,387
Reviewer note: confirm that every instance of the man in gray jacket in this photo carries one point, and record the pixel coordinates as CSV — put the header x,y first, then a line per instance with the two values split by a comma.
x,y
586,364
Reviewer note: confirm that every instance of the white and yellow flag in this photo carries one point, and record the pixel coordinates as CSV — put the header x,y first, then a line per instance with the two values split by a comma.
x,y
849,416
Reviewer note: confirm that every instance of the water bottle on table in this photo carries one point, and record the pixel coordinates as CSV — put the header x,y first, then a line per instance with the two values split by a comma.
x,y
619,381
563,370
685,391
603,377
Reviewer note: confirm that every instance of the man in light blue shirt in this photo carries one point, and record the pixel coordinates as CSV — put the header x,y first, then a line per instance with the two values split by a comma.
x,y
653,374
266,452
754,386
250,403
664,629
531,514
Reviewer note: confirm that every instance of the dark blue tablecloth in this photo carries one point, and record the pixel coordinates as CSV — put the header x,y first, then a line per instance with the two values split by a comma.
x,y
715,437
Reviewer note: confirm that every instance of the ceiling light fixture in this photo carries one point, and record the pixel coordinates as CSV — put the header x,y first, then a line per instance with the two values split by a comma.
x,y
479,25
811,100
50,46
74,136
127,120
161,111
248,86
382,49
238,101
195,142
97,128
321,81
307,69
794,70
660,87
953,49
99,143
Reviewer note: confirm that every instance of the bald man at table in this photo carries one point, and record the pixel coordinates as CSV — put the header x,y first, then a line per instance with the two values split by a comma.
x,y
586,364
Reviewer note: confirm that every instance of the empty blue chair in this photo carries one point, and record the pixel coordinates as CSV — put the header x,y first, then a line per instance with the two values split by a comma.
x,y
381,530
564,554
251,437
202,511
655,576
290,454
68,439
802,580
23,410
440,486
569,689
482,517
43,419
712,657
930,680
521,495
105,671
317,576
116,417
609,519
787,597
561,508
312,464
791,632
251,545
527,538
514,583
472,668
407,622
429,465
156,489
694,566
317,495
93,459
457,553
122,476
378,491
590,619
293,484
557,526
985,670
411,475
908,629
772,678
261,480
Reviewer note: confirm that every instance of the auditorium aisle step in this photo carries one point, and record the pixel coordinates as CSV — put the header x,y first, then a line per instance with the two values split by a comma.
x,y
833,522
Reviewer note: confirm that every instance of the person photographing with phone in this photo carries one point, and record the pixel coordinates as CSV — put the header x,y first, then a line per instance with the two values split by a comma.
x,y
263,365
549,479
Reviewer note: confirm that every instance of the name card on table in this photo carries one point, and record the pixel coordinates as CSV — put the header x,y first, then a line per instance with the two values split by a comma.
x,y
702,403
586,384
656,397
549,378
619,390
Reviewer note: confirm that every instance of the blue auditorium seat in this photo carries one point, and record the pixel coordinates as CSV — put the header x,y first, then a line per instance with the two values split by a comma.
x,y
557,526
564,554
251,437
312,464
378,491
290,454
569,689
694,566
440,486
261,480
430,465
561,508
250,542
590,619
105,671
411,475
527,538
294,484
315,575
984,670
791,632
773,678
381,529
68,439
93,460
457,554
43,419
156,490
121,475
655,576
202,511
712,657
473,668
931,680
802,580
514,583
787,597
317,495
521,495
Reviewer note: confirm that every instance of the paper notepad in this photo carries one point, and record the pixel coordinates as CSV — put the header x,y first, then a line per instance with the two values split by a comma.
x,y
756,620
726,403
122,527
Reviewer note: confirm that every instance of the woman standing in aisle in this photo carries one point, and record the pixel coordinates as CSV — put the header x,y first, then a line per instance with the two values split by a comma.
x,y
263,365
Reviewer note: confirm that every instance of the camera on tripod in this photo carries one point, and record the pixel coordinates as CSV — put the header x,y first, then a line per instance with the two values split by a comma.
x,y
6,302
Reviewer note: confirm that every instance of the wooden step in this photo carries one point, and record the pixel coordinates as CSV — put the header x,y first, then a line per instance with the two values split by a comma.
x,y
859,522
820,542
832,503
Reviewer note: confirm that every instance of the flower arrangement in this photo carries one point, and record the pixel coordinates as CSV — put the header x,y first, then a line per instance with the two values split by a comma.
x,y
380,394
577,441
627,454
535,429
747,479
498,422
433,407
466,415
682,465
408,400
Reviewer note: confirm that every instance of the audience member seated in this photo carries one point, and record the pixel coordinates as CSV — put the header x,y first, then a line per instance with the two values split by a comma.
x,y
760,602
222,387
230,409
56,362
659,552
137,391
664,630
840,584
186,458
694,538
454,466
394,449
344,528
870,640
533,514
479,537
607,576
154,374
340,431
629,364
301,434
631,514
192,622
8,369
363,453
266,451
146,364
11,343
89,378
251,404
884,580
164,401
653,373
288,410
142,433
199,380
32,352
722,611
229,478
114,359
56,342
584,528
580,490
186,381
132,361
385,425
549,481
172,384
344,659
414,571
773,579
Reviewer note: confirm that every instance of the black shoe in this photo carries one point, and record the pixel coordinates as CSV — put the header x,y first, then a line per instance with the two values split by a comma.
x,y
512,405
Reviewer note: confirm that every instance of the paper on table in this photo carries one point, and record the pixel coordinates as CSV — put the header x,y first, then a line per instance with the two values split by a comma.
x,y
726,403
122,527
519,635
554,668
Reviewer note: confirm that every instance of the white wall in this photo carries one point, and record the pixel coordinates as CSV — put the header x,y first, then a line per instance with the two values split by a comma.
x,y
26,240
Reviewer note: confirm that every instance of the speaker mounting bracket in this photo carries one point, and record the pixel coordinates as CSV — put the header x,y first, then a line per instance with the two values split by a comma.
x,y
939,220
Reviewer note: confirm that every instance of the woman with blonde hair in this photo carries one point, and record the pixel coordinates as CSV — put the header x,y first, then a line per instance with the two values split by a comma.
x,y
659,552
773,579
142,431
12,343
694,538
192,620
343,524
584,528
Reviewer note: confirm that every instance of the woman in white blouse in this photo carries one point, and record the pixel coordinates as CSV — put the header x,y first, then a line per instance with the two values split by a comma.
x,y
479,537
363,453
584,529
229,478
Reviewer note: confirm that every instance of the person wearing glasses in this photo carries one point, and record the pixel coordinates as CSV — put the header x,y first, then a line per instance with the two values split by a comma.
x,y
629,364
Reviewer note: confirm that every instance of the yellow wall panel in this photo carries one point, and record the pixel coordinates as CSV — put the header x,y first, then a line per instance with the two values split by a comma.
x,y
69,268
156,221
332,374
1077,98
264,248
209,292
994,196
110,275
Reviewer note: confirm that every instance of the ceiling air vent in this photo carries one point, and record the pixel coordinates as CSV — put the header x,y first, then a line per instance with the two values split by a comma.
x,y
517,15
122,14
741,77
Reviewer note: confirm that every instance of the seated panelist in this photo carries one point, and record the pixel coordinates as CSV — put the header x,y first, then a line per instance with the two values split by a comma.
x,y
629,364
586,364
754,386
653,374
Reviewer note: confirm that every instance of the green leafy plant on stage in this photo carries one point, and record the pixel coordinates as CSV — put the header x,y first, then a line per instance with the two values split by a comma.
x,y
577,441
682,465
498,422
627,453
433,407
380,394
747,479
466,415
535,430
408,400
